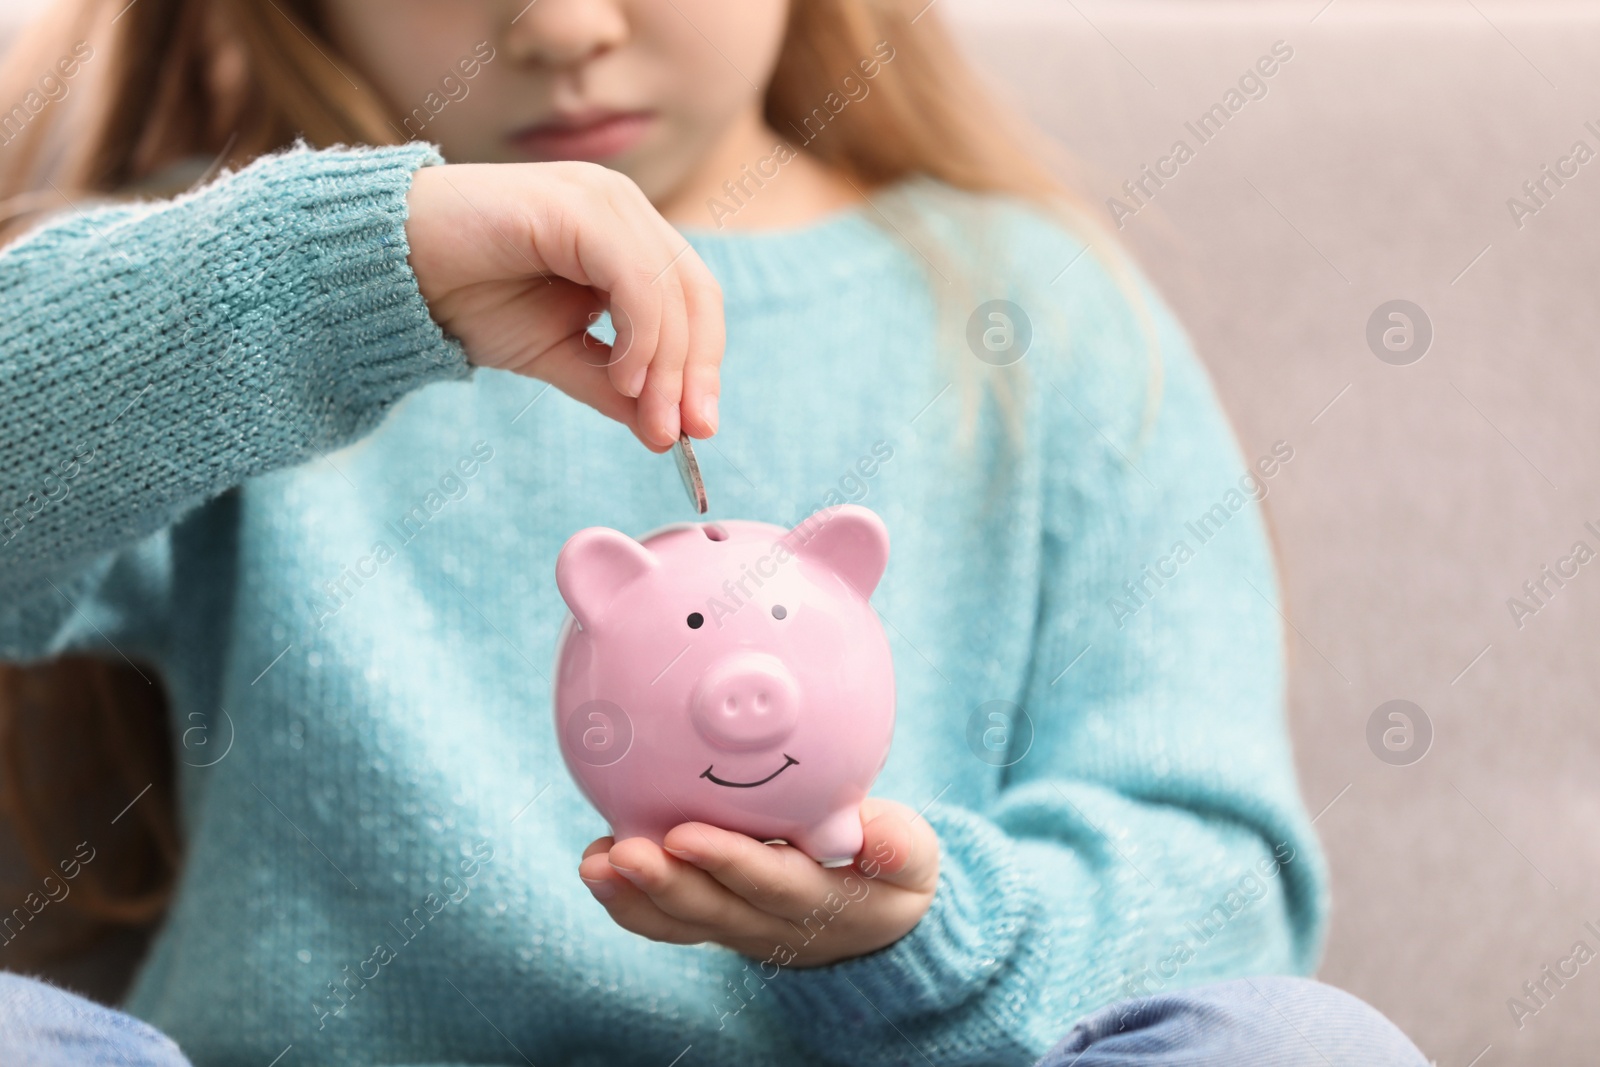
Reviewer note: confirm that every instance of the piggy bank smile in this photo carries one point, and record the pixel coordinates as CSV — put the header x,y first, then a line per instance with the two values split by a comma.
x,y
788,761
705,660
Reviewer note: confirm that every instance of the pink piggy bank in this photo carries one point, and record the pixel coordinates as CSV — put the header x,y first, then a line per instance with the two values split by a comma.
x,y
728,673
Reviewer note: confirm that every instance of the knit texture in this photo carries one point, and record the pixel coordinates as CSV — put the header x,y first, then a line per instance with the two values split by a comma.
x,y
235,449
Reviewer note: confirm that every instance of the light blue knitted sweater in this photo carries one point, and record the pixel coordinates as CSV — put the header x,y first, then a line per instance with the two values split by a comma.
x,y
235,447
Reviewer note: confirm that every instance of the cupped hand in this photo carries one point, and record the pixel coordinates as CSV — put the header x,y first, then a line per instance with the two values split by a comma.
x,y
518,260
770,901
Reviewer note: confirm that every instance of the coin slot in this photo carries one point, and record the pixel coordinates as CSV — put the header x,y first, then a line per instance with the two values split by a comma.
x,y
715,532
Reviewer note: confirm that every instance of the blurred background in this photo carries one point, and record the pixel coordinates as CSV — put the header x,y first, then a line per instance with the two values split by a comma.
x,y
1378,268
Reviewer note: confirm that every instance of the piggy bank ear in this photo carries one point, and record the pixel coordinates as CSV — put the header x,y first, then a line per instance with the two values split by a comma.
x,y
594,566
849,540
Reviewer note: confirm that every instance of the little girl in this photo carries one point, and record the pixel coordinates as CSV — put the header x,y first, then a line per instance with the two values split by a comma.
x,y
279,460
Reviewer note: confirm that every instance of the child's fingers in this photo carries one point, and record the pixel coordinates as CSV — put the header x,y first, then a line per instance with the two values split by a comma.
x,y
897,847
628,252
641,917
636,309
657,285
777,879
676,909
637,913
577,368
686,892
702,371
663,387
508,256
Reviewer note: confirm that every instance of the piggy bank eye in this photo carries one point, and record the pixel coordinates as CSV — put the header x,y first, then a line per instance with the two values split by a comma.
x,y
696,620
779,611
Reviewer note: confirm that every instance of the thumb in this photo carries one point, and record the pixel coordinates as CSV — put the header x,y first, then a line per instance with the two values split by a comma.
x,y
898,846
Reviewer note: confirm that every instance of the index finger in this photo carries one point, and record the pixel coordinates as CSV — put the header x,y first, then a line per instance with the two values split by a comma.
x,y
707,338
778,879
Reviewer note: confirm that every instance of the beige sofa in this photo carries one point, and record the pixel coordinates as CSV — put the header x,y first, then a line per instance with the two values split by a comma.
x,y
1375,163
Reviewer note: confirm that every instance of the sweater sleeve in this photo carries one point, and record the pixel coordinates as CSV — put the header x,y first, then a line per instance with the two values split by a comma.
x,y
154,355
1148,832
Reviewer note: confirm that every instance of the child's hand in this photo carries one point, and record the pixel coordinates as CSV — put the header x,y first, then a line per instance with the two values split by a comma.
x,y
717,885
517,260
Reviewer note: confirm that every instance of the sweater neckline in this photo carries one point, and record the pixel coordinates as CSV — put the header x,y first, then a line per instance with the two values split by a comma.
x,y
829,221
769,264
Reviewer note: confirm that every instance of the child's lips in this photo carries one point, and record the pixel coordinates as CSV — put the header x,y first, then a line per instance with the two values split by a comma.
x,y
591,136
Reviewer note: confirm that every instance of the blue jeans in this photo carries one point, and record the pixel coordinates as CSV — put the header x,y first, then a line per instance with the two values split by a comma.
x,y
1250,1022
42,1026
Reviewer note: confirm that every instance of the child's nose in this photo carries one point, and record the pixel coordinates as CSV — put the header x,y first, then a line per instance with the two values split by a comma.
x,y
566,33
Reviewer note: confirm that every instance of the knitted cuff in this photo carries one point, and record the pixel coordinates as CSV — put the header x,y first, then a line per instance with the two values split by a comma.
x,y
190,344
380,340
969,932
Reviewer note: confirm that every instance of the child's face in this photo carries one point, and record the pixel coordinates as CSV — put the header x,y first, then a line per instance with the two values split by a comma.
x,y
651,88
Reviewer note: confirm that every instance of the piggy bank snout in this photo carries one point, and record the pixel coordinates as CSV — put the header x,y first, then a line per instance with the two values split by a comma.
x,y
746,701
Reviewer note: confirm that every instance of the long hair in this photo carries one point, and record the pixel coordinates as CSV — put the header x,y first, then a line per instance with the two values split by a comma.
x,y
230,80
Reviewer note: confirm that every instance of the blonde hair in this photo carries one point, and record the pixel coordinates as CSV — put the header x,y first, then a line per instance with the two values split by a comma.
x,y
234,79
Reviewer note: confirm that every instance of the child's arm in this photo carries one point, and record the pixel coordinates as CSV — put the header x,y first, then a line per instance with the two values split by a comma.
x,y
154,355
1152,836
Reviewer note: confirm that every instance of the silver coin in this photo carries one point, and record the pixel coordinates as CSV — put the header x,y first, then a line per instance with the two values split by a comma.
x,y
689,470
